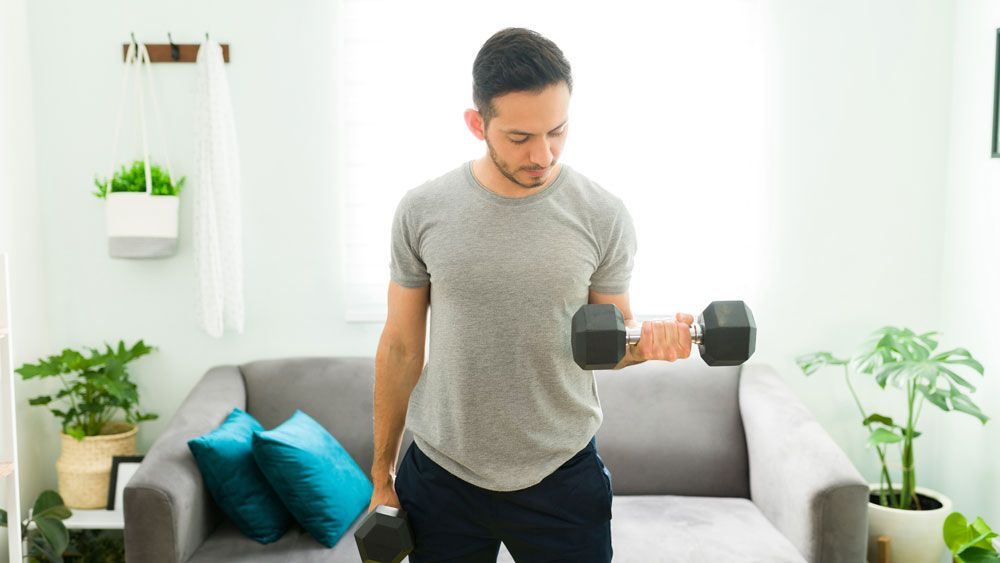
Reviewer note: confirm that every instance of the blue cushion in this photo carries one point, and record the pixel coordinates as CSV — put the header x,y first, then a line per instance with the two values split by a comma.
x,y
225,458
316,478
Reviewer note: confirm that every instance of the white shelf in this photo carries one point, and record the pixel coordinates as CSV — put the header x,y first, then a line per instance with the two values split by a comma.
x,y
95,520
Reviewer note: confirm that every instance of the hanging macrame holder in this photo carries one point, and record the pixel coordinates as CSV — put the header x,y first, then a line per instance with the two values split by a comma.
x,y
140,224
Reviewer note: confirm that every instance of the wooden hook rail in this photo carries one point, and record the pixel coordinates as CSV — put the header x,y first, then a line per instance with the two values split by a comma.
x,y
175,52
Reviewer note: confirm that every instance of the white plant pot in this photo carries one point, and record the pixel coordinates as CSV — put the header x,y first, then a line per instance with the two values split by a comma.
x,y
916,535
140,225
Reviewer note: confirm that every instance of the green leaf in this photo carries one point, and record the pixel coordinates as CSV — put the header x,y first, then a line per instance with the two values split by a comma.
x,y
887,371
979,555
55,533
811,363
133,179
3,518
956,378
46,500
980,526
962,403
41,400
883,436
934,396
956,531
881,419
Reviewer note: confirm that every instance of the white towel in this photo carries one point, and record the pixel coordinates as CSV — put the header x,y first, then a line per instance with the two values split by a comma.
x,y
218,237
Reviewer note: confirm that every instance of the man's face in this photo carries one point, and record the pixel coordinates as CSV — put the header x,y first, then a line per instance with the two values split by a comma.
x,y
526,136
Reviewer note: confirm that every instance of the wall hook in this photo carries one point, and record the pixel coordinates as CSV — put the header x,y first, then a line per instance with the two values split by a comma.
x,y
175,51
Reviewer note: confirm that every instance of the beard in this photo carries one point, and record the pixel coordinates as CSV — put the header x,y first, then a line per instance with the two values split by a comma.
x,y
511,174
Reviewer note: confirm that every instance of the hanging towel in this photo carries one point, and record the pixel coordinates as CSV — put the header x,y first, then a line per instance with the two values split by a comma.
x,y
218,237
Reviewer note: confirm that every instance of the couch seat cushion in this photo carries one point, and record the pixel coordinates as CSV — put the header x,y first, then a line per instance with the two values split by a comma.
x,y
644,529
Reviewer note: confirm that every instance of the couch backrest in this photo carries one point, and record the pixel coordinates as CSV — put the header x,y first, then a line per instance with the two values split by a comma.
x,y
669,428
673,428
336,391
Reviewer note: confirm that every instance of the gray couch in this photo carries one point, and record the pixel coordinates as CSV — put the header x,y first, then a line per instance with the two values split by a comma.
x,y
707,464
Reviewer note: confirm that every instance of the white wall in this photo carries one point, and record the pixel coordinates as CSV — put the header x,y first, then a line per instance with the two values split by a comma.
x,y
971,263
21,231
858,156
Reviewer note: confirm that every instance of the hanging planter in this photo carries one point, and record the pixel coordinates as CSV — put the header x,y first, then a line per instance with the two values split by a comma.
x,y
141,223
142,206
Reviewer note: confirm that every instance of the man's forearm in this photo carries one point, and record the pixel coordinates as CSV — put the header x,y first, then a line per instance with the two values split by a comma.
x,y
396,374
631,352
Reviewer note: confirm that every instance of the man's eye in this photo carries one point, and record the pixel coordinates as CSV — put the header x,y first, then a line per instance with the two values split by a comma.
x,y
521,142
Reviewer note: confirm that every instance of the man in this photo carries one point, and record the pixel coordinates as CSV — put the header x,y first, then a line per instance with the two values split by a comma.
x,y
504,249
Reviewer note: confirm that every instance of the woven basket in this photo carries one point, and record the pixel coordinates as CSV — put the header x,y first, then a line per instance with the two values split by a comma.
x,y
84,467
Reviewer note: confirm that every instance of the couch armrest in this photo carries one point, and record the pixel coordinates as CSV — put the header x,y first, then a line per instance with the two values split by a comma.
x,y
799,478
168,512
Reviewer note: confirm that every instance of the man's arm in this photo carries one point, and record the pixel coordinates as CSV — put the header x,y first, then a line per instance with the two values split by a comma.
x,y
621,301
661,340
399,361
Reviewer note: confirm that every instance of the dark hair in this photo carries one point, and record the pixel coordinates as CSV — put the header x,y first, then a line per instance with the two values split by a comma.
x,y
515,60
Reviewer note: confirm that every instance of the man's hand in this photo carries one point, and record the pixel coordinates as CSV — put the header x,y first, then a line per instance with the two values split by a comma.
x,y
665,340
384,493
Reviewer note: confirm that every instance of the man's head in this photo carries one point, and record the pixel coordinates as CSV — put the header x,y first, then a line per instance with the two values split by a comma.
x,y
521,89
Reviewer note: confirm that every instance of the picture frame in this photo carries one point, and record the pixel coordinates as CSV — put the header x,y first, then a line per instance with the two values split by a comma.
x,y
122,469
996,97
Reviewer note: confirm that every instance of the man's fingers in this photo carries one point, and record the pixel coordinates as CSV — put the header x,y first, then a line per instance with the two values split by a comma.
x,y
685,318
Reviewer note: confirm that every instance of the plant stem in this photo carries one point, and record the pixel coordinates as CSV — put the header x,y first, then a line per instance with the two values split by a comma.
x,y
908,489
884,478
71,400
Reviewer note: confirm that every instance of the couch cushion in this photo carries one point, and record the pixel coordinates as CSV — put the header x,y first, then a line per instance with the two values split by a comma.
x,y
673,428
676,529
314,476
225,459
664,529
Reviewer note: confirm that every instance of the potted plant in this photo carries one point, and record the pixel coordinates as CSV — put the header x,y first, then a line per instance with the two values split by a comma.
x,y
912,516
48,538
970,543
95,390
141,211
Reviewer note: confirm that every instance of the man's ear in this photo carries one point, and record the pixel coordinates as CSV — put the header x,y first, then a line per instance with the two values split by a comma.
x,y
474,121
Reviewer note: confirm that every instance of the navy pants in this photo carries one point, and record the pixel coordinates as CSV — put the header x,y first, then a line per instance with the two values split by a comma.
x,y
565,517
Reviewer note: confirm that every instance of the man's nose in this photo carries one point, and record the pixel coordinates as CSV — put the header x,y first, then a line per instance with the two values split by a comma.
x,y
541,153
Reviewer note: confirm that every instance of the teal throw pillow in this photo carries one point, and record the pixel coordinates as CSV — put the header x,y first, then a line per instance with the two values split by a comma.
x,y
225,458
319,482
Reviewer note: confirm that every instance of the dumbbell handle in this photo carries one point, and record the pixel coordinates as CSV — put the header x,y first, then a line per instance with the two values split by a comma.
x,y
632,333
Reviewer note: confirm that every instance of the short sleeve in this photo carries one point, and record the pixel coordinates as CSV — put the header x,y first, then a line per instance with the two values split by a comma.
x,y
406,267
615,270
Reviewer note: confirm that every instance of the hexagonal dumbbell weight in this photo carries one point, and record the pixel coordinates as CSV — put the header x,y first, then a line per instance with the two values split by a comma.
x,y
725,333
383,536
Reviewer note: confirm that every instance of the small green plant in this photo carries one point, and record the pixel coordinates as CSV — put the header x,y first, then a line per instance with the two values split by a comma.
x,y
98,388
134,180
900,357
969,543
48,539
95,546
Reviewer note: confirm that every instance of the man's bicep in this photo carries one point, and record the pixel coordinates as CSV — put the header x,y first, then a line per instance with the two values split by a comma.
x,y
620,300
406,322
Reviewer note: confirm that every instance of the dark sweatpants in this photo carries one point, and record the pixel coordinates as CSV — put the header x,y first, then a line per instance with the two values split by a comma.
x,y
565,517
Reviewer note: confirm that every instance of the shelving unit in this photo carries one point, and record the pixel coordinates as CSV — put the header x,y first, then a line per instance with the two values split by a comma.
x,y
8,420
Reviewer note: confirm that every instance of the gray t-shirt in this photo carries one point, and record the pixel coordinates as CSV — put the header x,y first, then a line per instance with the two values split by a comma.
x,y
500,402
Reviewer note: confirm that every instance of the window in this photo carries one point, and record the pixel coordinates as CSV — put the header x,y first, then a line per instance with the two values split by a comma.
x,y
670,111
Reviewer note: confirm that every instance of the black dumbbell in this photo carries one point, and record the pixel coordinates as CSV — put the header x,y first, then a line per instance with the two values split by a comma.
x,y
383,536
725,334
